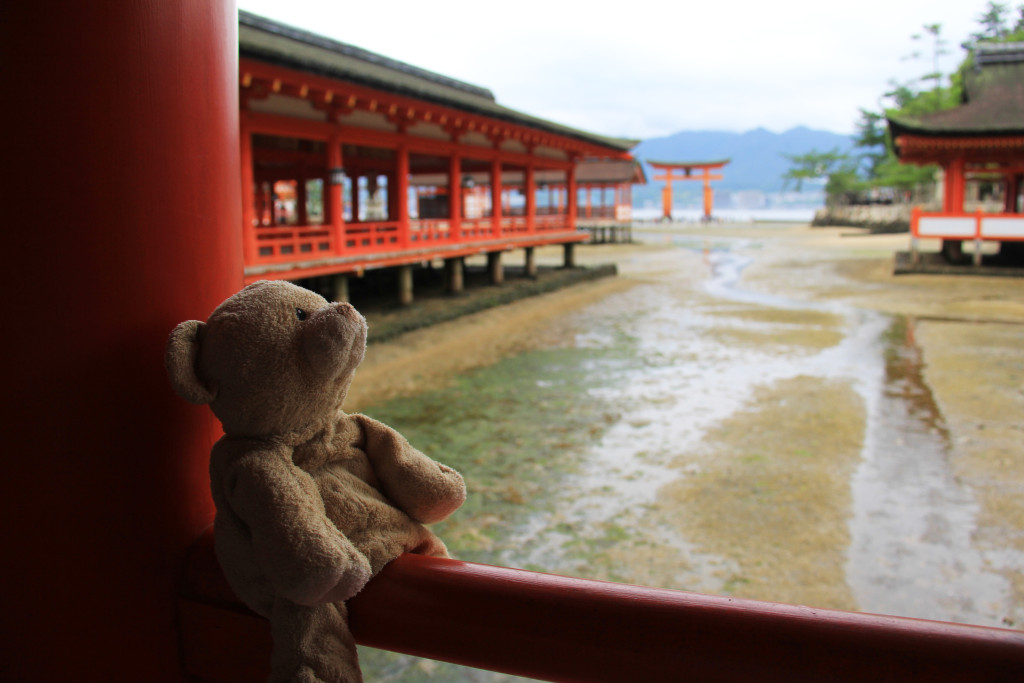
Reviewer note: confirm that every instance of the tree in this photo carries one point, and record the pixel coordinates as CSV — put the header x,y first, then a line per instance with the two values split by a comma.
x,y
871,137
993,22
938,49
877,165
811,166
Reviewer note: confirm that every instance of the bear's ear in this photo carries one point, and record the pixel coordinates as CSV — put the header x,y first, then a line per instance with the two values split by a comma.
x,y
180,359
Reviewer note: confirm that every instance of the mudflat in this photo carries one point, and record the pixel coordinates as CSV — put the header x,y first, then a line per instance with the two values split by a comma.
x,y
788,492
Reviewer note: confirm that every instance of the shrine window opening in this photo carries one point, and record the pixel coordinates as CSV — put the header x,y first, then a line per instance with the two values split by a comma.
x,y
288,181
551,199
428,198
315,201
372,198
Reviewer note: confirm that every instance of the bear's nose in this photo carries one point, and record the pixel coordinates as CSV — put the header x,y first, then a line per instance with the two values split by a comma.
x,y
346,309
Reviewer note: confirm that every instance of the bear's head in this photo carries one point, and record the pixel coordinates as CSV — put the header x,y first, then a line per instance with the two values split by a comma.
x,y
273,359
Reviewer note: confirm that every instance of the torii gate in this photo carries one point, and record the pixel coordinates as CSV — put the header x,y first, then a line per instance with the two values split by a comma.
x,y
687,167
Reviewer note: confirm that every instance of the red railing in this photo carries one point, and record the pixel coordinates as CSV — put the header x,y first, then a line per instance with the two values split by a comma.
x,y
371,237
429,231
595,211
514,225
563,629
551,222
275,244
295,244
476,228
967,226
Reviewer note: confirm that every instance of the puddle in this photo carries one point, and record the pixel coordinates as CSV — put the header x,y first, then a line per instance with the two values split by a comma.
x,y
567,451
912,552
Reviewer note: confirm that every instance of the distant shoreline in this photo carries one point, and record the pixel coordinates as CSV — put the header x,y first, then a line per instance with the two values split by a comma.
x,y
679,215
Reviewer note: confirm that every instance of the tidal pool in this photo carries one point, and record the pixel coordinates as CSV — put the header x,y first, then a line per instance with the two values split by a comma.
x,y
699,435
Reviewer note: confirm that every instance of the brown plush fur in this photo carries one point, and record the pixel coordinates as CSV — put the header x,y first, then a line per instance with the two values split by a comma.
x,y
311,501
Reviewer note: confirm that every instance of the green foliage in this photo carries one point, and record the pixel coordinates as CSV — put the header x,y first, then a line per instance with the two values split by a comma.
x,y
811,166
872,137
845,183
993,22
877,166
891,173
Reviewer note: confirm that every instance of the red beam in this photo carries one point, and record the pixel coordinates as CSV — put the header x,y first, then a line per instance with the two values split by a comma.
x,y
377,100
563,629
274,124
369,261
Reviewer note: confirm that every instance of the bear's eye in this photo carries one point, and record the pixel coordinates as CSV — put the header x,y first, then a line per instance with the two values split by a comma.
x,y
300,314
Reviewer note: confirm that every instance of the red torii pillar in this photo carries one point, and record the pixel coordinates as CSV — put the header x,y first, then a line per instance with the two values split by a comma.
x,y
122,207
687,168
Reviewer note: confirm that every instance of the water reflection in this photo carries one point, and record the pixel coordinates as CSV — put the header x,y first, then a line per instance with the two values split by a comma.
x,y
652,371
912,551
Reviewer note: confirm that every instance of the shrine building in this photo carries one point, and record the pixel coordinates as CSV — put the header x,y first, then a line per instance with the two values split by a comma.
x,y
353,161
606,206
982,140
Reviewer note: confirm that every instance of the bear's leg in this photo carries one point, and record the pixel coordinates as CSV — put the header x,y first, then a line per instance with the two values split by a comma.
x,y
313,644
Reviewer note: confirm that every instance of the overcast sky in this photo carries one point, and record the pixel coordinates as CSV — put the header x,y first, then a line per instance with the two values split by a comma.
x,y
647,68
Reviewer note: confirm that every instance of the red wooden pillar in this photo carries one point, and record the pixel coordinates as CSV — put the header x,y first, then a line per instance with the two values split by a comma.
x,y
666,196
301,195
401,197
1012,189
334,195
496,203
953,190
571,198
250,248
355,197
531,199
106,482
455,197
709,194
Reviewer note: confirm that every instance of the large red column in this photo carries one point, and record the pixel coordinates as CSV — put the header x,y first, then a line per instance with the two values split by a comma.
x,y
953,192
571,198
496,203
122,217
455,196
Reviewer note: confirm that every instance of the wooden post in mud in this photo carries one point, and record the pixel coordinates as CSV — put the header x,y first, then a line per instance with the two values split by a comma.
x,y
453,275
404,285
569,258
494,268
340,285
531,263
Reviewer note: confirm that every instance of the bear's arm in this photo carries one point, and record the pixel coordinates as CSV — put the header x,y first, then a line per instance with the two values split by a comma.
x,y
424,489
298,548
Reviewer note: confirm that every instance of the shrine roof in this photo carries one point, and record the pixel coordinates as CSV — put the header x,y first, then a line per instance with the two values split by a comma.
x,y
993,99
268,41
610,171
689,164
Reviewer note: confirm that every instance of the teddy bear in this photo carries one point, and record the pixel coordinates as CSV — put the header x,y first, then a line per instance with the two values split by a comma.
x,y
311,502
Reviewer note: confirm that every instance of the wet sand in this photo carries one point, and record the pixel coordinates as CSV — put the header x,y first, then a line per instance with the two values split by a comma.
x,y
826,382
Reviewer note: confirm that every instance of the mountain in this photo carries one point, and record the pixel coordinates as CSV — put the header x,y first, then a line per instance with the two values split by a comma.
x,y
757,161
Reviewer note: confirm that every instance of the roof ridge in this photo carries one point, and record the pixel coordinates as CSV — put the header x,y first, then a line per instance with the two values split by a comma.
x,y
270,26
999,53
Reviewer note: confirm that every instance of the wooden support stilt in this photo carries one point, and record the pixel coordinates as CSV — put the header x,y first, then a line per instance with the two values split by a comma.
x,y
340,285
494,268
453,275
405,285
569,255
531,263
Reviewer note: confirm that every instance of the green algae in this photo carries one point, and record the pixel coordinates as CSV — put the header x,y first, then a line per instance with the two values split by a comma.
x,y
514,430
